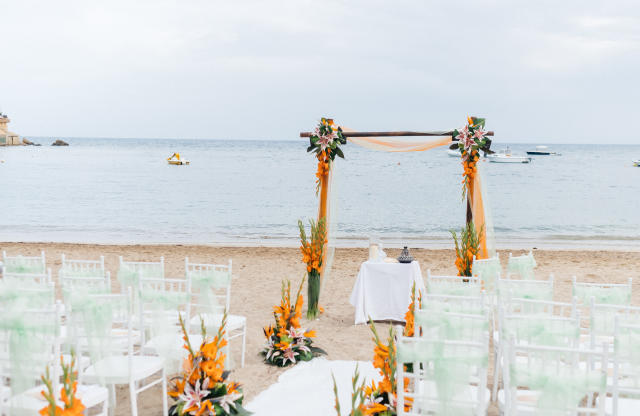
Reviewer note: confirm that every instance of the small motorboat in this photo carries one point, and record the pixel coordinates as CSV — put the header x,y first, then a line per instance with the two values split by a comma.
x,y
175,160
636,163
505,156
542,151
454,153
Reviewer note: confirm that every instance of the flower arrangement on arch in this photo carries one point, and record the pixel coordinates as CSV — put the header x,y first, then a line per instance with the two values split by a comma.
x,y
325,142
312,249
202,388
287,343
471,139
72,405
467,245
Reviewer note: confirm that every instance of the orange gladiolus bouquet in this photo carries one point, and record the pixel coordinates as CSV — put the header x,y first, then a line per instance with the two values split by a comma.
x,y
466,247
72,405
312,249
409,317
471,139
202,389
287,343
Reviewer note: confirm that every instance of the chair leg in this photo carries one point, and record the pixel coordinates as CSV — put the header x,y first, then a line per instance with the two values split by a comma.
x,y
112,400
165,405
244,340
497,366
134,398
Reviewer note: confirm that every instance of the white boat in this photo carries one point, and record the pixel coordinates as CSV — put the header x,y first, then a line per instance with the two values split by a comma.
x,y
636,163
542,151
454,153
505,156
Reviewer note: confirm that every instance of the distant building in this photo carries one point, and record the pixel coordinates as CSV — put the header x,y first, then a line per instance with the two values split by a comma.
x,y
7,138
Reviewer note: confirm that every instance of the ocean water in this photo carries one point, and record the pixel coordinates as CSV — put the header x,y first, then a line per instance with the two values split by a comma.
x,y
253,193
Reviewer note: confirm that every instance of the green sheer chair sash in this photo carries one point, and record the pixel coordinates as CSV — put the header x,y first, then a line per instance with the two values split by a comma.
x,y
522,266
447,369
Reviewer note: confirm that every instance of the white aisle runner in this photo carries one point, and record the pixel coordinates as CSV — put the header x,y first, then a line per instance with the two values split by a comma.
x,y
307,389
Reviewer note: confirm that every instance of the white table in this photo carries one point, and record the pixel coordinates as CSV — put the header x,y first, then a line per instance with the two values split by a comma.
x,y
383,290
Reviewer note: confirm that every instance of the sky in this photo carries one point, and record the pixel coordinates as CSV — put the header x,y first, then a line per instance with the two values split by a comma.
x,y
538,71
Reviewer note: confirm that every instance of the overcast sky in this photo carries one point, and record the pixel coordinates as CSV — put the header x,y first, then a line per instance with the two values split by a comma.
x,y
557,71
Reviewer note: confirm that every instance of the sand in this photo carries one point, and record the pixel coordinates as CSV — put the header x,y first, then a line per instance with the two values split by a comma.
x,y
256,288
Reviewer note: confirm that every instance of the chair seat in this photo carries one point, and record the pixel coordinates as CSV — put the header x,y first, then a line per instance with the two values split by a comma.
x,y
625,406
91,395
234,322
473,391
115,370
526,396
26,403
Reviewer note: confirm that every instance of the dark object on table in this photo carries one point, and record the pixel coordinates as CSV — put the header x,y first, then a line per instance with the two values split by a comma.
x,y
405,257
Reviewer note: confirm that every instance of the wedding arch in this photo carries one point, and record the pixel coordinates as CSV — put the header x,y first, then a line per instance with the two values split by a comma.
x,y
326,141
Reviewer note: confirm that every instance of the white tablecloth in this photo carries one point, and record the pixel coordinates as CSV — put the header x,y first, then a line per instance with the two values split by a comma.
x,y
383,290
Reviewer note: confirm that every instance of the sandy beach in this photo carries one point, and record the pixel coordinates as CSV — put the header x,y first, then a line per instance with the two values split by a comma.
x,y
258,272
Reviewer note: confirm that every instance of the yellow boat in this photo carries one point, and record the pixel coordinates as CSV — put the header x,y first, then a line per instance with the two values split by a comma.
x,y
175,160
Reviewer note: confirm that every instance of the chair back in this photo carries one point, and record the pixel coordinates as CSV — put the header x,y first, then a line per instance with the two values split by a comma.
x,y
24,264
488,271
15,295
626,361
526,289
82,268
82,277
452,303
453,285
445,377
210,287
522,306
101,326
29,278
603,293
522,266
543,330
130,272
440,325
29,345
554,380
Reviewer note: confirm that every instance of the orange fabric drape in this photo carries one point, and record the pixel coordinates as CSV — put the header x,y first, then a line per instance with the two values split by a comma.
x,y
474,193
393,144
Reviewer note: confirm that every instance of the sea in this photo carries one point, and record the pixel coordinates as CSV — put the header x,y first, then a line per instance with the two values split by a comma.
x,y
252,193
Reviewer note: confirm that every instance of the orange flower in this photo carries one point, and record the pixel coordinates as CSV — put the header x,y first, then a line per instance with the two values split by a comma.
x,y
310,334
373,408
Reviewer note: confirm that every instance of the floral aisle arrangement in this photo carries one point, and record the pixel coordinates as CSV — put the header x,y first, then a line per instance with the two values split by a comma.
x,y
467,246
325,142
287,343
72,405
471,139
202,388
381,399
312,249
376,399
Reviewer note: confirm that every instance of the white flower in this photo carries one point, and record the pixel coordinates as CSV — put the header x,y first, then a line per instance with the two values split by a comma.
x,y
296,333
192,397
479,134
229,400
289,355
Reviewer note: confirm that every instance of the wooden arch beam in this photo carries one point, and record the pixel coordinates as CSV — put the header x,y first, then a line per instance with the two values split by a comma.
x,y
392,133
